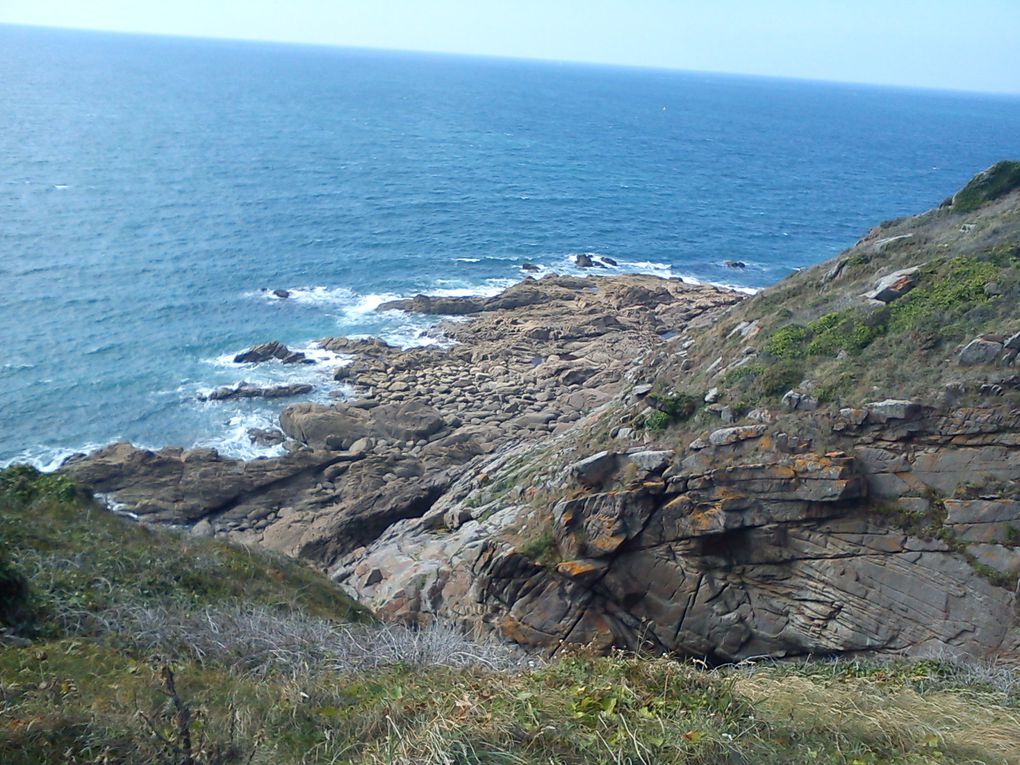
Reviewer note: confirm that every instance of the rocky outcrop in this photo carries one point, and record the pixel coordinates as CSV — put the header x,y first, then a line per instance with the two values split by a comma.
x,y
269,351
247,390
738,550
895,285
536,359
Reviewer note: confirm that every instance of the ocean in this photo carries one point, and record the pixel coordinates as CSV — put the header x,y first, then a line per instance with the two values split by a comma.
x,y
154,191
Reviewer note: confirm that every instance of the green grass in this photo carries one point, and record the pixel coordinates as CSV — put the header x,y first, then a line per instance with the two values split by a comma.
x,y
76,558
949,289
540,548
74,702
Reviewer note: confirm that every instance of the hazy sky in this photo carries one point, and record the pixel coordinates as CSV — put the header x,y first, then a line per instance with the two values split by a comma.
x,y
958,44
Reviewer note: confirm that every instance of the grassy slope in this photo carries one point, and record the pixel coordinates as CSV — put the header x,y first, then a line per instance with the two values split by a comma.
x,y
817,333
88,689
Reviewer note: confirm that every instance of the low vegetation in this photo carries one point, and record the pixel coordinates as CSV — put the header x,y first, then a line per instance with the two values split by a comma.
x,y
127,645
816,333
995,182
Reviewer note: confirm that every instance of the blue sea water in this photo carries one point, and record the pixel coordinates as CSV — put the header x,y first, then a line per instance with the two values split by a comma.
x,y
151,188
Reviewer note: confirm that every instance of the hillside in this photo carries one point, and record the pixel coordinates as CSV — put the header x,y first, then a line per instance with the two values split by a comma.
x,y
126,644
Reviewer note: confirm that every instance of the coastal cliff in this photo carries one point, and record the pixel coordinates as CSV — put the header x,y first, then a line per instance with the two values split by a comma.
x,y
828,467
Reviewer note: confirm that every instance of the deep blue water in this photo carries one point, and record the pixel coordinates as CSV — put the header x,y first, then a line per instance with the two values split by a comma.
x,y
151,187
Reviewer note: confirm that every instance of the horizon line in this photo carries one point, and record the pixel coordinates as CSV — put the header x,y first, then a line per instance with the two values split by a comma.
x,y
517,58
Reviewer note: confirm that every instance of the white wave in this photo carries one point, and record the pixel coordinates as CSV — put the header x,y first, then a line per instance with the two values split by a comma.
x,y
723,285
61,186
316,295
366,305
49,458
468,260
233,440
459,288
118,508
415,333
665,270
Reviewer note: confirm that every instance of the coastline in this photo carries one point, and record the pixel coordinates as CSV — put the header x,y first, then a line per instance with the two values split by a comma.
x,y
526,363
229,437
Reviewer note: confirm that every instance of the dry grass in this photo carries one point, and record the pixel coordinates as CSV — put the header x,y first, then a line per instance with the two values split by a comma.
x,y
969,725
257,641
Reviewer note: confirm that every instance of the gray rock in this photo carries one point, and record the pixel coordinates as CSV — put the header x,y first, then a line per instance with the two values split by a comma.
x,y
269,351
891,409
247,390
595,470
650,461
980,351
729,436
797,401
894,285
264,437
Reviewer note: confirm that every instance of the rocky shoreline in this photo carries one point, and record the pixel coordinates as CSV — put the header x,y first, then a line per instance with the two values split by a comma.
x,y
829,467
530,362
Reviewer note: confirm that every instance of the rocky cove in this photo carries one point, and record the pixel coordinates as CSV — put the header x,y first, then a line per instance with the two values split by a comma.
x,y
827,467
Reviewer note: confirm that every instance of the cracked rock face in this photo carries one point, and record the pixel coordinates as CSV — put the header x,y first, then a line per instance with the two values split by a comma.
x,y
742,551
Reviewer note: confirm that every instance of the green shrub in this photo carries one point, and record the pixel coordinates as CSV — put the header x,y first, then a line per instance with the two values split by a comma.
x,y
657,421
540,548
679,406
742,373
669,408
997,181
947,292
23,483
848,330
778,378
787,342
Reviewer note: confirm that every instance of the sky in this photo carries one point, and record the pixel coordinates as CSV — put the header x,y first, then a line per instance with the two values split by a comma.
x,y
945,44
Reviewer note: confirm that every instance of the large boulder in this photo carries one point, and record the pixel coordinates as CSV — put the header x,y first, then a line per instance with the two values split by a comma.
x,y
894,285
337,427
180,487
980,351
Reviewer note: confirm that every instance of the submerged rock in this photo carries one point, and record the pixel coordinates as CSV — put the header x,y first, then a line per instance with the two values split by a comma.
x,y
247,390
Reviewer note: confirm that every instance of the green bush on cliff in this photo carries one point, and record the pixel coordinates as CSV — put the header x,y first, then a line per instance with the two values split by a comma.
x,y
948,290
670,407
997,181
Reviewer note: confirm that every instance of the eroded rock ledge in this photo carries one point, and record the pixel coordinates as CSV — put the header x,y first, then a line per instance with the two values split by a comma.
x,y
743,548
